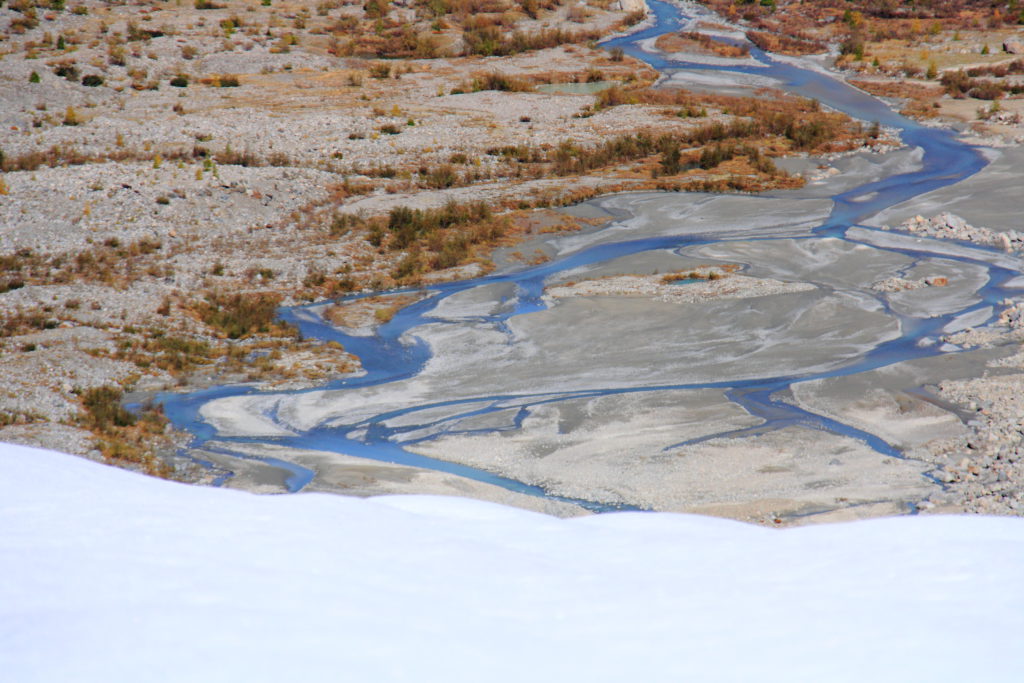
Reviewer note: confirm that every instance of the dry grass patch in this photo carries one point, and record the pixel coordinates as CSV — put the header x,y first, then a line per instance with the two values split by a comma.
x,y
693,41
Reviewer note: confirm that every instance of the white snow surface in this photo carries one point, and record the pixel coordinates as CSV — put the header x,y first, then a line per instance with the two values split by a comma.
x,y
110,576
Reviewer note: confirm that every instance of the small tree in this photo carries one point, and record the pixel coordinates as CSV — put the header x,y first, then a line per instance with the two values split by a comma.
x,y
670,158
71,117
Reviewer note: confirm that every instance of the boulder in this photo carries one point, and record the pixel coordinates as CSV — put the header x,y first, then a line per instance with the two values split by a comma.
x,y
1015,46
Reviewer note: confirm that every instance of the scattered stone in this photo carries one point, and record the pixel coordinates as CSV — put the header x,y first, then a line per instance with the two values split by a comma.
x,y
952,227
719,284
897,284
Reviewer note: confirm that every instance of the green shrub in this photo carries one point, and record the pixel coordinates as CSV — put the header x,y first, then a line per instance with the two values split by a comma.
x,y
66,70
92,80
670,158
407,225
179,81
104,409
239,315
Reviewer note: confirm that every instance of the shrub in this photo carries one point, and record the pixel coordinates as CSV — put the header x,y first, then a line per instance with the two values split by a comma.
x,y
956,83
501,82
375,9
441,177
770,42
33,77
104,410
239,315
491,41
92,80
229,81
116,55
66,70
380,70
11,285
670,158
986,90
179,81
407,225
856,48
613,97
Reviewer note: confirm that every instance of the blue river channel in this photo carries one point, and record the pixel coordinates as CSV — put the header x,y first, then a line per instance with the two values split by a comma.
x,y
392,355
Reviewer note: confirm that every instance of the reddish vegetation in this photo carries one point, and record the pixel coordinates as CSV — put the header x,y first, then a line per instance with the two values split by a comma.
x,y
921,100
837,16
799,122
771,42
692,41
481,27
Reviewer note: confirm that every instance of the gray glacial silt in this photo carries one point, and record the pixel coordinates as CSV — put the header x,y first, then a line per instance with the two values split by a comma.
x,y
850,171
991,198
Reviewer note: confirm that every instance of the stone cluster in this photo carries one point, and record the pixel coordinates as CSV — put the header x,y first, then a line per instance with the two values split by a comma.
x,y
952,227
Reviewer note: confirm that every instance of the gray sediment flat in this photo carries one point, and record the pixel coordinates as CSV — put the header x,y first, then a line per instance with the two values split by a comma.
x,y
645,444
990,198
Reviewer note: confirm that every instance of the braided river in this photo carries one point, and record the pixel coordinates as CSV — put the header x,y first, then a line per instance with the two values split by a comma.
x,y
801,399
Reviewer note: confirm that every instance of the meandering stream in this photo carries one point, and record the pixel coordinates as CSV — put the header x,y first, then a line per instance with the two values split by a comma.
x,y
476,362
